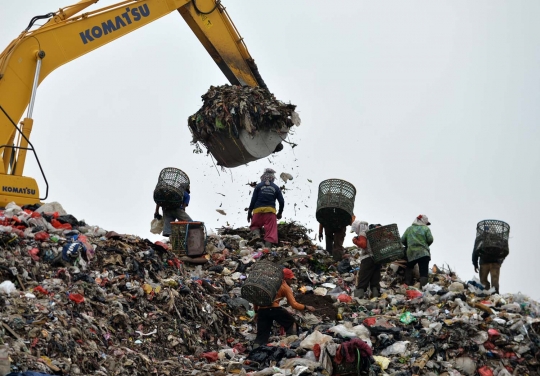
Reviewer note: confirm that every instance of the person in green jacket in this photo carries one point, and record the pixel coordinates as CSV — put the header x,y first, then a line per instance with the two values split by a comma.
x,y
417,239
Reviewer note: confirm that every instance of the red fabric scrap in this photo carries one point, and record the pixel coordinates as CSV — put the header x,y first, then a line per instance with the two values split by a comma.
x,y
34,252
347,351
485,371
370,321
42,236
317,350
41,290
77,298
210,356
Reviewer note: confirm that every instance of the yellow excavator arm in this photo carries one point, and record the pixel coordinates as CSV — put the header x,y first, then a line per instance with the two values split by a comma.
x,y
69,34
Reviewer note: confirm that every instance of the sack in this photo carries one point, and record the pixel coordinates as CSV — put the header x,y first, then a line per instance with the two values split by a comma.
x,y
156,226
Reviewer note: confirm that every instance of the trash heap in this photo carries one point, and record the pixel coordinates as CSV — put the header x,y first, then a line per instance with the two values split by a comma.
x,y
229,109
77,299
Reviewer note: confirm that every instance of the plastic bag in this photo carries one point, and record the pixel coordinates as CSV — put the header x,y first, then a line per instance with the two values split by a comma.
x,y
7,287
396,348
314,338
156,226
407,318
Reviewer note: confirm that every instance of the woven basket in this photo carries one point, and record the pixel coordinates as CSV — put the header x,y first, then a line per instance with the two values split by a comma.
x,y
346,368
169,191
262,283
492,238
335,203
385,243
188,238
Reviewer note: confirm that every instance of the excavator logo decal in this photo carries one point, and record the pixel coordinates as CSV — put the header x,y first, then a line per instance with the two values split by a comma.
x,y
26,191
114,24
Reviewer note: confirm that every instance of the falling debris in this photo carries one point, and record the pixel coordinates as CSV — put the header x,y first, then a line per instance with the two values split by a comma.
x,y
220,194
221,211
310,180
285,176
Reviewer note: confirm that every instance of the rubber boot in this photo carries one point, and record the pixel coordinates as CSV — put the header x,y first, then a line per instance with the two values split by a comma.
x,y
359,293
268,245
408,277
423,281
375,292
255,236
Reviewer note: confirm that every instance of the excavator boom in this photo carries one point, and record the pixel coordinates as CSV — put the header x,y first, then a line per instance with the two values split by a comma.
x,y
69,34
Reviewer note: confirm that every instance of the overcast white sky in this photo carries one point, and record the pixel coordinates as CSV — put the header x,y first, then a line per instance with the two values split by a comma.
x,y
426,107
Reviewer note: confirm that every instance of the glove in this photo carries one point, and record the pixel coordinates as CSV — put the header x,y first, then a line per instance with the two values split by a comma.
x,y
476,269
250,216
320,236
279,215
157,216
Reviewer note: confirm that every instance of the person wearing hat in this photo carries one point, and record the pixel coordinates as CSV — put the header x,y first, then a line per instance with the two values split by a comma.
x,y
265,316
370,272
262,209
417,239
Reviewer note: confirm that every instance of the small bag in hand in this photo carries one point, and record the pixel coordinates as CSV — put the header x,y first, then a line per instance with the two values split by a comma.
x,y
156,226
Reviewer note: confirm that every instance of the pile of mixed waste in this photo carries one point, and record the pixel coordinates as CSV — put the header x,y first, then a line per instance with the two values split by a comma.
x,y
229,109
77,299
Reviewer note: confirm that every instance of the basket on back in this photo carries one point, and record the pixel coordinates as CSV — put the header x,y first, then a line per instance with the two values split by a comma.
x,y
335,203
262,283
492,239
385,244
169,191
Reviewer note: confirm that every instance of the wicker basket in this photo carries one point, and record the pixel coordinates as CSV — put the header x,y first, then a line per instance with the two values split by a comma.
x,y
335,203
492,238
169,191
262,283
188,238
347,368
385,243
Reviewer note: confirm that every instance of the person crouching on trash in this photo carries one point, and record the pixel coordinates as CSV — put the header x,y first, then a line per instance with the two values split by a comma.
x,y
265,316
417,239
262,209
370,272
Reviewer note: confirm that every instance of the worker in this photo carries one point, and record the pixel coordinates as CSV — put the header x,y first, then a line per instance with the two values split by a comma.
x,y
262,209
489,265
417,239
335,236
171,214
370,272
265,316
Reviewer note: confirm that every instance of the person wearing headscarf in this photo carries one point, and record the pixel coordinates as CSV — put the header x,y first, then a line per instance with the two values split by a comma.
x,y
265,316
370,272
334,236
262,209
417,239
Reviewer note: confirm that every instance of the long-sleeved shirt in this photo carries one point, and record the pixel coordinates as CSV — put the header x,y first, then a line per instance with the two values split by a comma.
x,y
264,198
417,239
285,292
487,257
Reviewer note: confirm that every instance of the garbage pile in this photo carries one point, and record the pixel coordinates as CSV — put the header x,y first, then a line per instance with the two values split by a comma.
x,y
77,299
229,109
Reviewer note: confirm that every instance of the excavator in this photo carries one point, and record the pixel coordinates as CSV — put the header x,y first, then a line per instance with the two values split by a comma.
x,y
68,34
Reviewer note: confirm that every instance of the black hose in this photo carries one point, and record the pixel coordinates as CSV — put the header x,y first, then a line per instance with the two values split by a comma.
x,y
194,2
34,19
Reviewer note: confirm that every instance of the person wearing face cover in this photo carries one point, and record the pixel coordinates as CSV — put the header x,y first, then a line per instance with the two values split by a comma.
x,y
417,239
262,209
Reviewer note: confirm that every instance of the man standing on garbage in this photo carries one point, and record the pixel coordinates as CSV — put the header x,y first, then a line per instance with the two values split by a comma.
x,y
334,239
417,239
174,214
488,266
262,209
370,272
265,316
